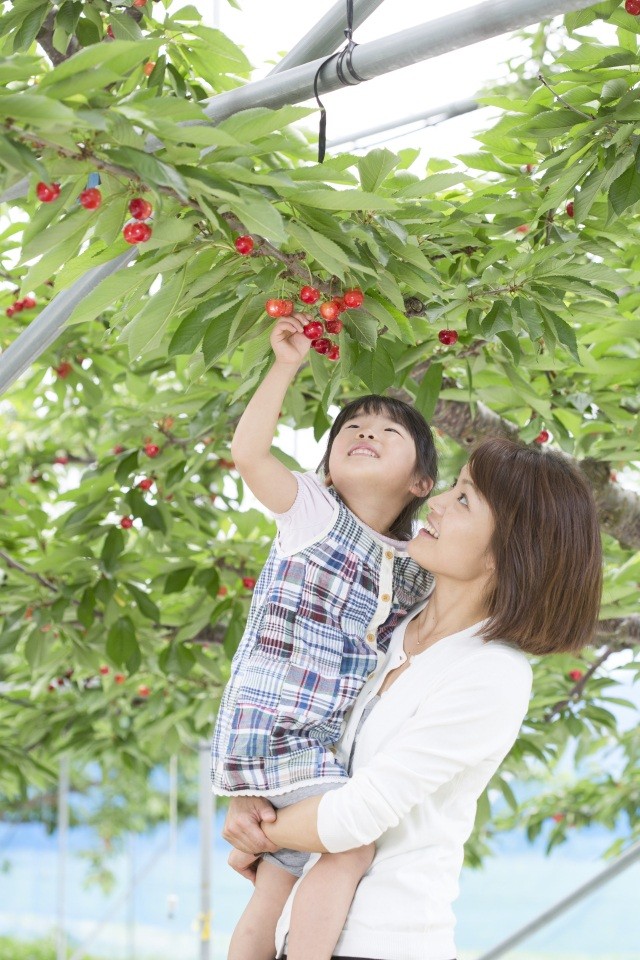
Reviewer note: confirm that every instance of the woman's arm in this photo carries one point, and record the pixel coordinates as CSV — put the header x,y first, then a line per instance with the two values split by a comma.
x,y
296,827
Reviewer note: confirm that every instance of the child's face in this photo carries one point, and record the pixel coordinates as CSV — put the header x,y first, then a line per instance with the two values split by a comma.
x,y
371,449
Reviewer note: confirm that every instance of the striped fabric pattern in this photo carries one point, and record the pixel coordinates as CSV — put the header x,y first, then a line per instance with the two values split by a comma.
x,y
304,657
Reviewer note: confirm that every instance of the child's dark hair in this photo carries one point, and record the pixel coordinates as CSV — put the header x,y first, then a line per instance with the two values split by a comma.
x,y
419,430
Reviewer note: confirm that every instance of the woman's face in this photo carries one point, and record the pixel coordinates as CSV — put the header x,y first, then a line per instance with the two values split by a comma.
x,y
454,541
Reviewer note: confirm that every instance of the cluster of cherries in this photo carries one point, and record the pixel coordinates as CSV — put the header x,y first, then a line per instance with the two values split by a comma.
x,y
28,303
329,311
91,198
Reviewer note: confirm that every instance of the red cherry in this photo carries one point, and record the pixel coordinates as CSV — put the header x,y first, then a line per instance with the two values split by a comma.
x,y
119,449
329,310
110,32
244,245
321,345
18,306
542,437
136,232
353,298
119,678
50,687
63,369
139,3
61,460
126,523
151,449
558,817
340,304
313,329
577,674
613,476
287,308
227,464
632,7
523,228
309,294
91,198
569,208
448,337
47,192
140,209
146,484
274,307
248,582
223,591
144,690
10,311
29,303
148,68
104,670
333,326
35,478
334,352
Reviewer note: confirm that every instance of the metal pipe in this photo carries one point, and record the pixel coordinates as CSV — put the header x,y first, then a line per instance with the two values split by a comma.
x,y
63,852
205,817
435,115
326,35
42,332
624,861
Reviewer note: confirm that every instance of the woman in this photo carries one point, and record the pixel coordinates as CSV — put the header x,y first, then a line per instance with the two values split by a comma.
x,y
515,549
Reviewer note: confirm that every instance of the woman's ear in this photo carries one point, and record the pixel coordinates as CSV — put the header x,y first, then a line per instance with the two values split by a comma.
x,y
422,487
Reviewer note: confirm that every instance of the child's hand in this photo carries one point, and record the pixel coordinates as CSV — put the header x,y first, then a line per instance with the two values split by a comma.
x,y
246,864
288,341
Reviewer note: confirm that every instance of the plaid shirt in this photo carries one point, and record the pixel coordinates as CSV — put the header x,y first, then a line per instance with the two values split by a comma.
x,y
318,621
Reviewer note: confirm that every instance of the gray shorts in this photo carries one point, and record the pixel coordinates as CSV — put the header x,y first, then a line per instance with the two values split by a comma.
x,y
294,860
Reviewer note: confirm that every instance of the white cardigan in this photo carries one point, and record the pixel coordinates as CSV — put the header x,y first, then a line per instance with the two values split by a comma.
x,y
422,759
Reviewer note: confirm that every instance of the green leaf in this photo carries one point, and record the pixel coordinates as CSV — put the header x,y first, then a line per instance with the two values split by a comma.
x,y
377,369
145,604
122,646
339,200
33,108
178,579
374,167
150,169
112,548
323,250
259,216
28,29
125,27
429,391
625,191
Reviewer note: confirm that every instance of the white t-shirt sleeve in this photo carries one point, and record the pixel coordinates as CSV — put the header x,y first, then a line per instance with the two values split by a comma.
x,y
310,517
470,718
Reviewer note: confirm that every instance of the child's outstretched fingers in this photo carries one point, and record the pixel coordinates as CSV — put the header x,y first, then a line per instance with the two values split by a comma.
x,y
246,864
289,343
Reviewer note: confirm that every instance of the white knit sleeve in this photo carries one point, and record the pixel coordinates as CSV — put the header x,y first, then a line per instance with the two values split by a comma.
x,y
473,716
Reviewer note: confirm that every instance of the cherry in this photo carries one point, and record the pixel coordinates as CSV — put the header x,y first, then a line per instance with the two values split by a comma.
x,y
18,306
91,198
613,476
274,307
321,345
313,329
149,67
47,192
126,523
244,245
333,326
35,478
523,228
136,232
146,483
104,670
340,304
577,674
248,582
151,449
110,32
558,817
286,308
118,449
119,678
632,7
139,3
50,687
569,208
329,310
448,337
223,591
527,168
140,209
29,303
63,461
309,294
10,311
333,353
542,437
63,369
227,464
144,690
354,297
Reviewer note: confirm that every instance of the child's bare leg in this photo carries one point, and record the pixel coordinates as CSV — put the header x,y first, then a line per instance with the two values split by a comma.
x,y
322,902
254,937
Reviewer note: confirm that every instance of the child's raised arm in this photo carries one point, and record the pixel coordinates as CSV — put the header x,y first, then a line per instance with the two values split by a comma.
x,y
269,480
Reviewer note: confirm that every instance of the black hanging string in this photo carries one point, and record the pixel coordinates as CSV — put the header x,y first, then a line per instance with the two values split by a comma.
x,y
344,67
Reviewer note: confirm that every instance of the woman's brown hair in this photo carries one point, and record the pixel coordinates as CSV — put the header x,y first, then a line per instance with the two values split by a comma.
x,y
545,593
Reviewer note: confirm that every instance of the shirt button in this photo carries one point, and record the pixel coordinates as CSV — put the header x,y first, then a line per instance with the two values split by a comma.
x,y
370,637
386,597
389,554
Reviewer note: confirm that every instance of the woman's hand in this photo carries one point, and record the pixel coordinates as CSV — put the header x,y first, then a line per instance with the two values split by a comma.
x,y
246,864
242,826
288,341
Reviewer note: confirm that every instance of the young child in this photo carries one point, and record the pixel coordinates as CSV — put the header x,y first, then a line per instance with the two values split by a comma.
x,y
336,583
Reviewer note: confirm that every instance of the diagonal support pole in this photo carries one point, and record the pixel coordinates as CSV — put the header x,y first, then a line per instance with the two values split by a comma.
x,y
373,59
426,118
